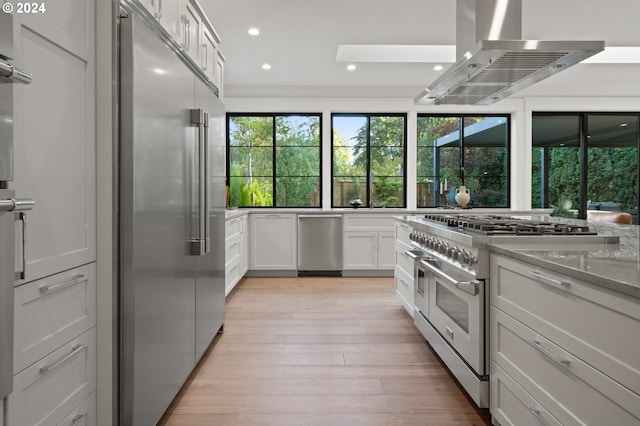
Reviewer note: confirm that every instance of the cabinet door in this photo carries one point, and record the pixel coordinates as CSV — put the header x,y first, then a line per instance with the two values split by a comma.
x,y
360,250
152,6
244,246
169,17
55,137
219,74
192,26
209,54
273,242
386,250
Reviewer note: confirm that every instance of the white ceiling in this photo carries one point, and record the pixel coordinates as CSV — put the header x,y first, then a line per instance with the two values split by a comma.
x,y
301,40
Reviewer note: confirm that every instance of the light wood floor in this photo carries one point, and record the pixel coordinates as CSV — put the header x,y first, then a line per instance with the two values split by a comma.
x,y
320,351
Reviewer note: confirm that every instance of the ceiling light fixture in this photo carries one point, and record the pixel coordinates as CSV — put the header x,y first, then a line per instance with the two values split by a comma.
x,y
438,68
266,66
351,67
624,124
254,31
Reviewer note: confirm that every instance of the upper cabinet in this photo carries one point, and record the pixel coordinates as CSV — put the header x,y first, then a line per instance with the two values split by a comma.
x,y
188,26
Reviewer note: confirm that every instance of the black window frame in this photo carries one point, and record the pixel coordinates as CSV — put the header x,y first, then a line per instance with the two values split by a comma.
x,y
274,176
368,116
583,146
461,147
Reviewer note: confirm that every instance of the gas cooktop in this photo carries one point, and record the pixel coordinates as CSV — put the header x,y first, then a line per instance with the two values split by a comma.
x,y
506,225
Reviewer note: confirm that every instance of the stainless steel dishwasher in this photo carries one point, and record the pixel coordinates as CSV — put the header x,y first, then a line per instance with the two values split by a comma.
x,y
320,244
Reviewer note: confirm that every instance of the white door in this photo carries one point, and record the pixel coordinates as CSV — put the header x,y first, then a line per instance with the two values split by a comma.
x,y
360,250
55,136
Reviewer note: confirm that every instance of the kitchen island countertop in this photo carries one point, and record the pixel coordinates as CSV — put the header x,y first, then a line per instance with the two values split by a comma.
x,y
616,267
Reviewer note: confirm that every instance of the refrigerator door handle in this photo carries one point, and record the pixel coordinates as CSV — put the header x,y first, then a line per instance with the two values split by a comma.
x,y
205,178
12,74
198,246
23,218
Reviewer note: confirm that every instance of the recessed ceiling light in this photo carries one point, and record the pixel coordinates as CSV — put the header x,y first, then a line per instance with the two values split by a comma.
x,y
159,71
438,68
624,125
266,66
254,31
351,67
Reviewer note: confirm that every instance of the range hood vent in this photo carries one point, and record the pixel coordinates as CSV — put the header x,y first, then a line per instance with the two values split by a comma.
x,y
500,68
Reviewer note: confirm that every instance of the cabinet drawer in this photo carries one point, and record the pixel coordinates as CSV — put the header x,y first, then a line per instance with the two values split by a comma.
x,y
404,289
232,227
83,415
232,273
232,248
402,233
368,222
52,311
595,324
513,406
46,392
403,261
558,379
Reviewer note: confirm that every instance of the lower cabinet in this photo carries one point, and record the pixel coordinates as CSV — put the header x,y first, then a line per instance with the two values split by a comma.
x,y
83,415
46,392
54,380
369,242
560,349
236,251
273,242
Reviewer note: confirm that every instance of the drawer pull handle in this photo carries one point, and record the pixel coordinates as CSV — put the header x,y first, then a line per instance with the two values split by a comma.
x,y
534,411
536,344
235,268
449,332
77,419
548,280
76,350
51,288
403,283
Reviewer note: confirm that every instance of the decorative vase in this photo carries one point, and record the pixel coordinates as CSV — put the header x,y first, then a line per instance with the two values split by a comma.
x,y
462,196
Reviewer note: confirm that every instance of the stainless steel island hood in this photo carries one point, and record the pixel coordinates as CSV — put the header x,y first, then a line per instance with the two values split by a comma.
x,y
495,63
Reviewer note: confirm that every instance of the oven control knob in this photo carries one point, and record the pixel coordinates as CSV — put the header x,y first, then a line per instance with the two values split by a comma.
x,y
442,248
463,257
423,238
453,253
472,260
412,236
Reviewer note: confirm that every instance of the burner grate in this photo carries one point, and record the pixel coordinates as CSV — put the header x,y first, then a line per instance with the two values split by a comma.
x,y
501,225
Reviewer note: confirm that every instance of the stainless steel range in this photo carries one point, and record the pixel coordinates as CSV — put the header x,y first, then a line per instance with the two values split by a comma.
x,y
451,288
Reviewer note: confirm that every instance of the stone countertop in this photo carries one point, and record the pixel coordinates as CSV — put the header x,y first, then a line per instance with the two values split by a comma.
x,y
613,266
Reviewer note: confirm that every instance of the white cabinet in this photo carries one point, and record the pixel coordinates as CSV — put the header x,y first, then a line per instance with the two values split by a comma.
x,y
219,74
47,391
236,251
83,415
565,343
244,244
404,266
169,15
192,24
52,311
273,242
369,242
55,141
210,43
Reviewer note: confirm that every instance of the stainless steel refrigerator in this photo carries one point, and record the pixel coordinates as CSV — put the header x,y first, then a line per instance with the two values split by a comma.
x,y
11,208
171,221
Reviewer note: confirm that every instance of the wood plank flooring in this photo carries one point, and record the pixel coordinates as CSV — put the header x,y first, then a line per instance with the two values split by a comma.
x,y
318,351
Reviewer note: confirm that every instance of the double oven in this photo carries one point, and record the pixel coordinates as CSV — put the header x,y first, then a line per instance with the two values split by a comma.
x,y
451,303
451,283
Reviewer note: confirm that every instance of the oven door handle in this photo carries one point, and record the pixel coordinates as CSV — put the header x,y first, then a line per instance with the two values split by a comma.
x,y
470,287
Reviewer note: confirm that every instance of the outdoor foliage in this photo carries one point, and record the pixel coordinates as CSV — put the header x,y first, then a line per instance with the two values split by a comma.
x,y
444,156
377,146
286,148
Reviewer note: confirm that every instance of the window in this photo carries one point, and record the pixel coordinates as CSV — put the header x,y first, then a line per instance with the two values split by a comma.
x,y
582,162
274,160
463,150
369,159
